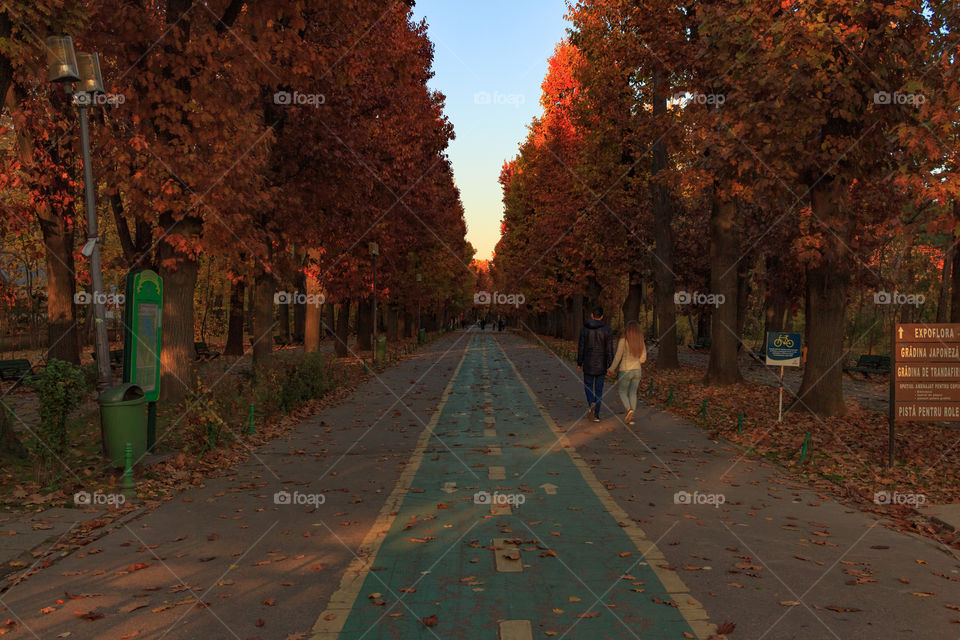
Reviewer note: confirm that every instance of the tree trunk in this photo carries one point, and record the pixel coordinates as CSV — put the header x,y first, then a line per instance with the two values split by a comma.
x,y
955,276
631,305
364,325
577,315
235,323
283,321
343,329
263,322
179,273
393,322
724,367
664,284
300,309
409,321
62,341
328,328
744,289
313,319
775,309
821,391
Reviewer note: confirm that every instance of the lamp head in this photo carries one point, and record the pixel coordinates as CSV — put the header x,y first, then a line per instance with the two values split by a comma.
x,y
88,65
62,60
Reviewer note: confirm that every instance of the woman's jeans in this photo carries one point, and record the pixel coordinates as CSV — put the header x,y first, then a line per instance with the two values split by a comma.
x,y
627,384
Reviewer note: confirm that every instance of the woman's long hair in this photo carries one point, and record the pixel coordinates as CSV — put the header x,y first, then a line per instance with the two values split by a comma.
x,y
634,338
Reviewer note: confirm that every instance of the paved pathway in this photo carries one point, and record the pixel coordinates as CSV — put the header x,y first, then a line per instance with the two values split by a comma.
x,y
371,520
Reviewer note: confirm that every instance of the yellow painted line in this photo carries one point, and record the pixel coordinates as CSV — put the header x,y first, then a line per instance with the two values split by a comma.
x,y
489,433
506,556
497,473
516,630
694,613
331,621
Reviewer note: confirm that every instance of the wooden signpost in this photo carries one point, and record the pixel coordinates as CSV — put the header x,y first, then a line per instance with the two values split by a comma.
x,y
925,380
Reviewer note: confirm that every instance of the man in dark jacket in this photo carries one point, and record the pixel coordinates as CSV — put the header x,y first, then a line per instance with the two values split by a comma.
x,y
595,352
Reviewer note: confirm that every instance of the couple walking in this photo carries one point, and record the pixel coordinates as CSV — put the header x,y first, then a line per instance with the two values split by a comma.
x,y
596,358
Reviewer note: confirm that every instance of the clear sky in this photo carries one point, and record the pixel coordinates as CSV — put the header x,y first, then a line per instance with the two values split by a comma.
x,y
491,56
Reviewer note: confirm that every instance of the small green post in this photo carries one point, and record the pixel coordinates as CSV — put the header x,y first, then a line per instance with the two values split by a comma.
x,y
670,397
126,483
251,425
703,409
803,447
650,387
740,423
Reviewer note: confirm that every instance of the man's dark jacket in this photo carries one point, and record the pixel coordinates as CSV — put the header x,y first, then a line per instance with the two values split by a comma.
x,y
595,350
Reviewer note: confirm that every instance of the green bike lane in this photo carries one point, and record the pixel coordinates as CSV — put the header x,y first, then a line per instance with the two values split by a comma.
x,y
497,529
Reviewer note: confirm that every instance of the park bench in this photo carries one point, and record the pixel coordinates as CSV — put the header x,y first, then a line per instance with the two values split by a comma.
x,y
17,370
703,342
203,352
868,364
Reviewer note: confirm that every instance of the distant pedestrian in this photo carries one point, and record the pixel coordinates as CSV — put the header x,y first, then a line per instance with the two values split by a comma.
x,y
631,354
501,324
594,357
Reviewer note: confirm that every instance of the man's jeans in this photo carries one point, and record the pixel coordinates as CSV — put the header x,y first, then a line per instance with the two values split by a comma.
x,y
594,388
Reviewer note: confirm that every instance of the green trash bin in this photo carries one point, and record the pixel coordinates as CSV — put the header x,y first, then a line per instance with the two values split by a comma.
x,y
381,356
123,419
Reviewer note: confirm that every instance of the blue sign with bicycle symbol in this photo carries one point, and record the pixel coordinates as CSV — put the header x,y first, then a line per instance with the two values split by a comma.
x,y
784,349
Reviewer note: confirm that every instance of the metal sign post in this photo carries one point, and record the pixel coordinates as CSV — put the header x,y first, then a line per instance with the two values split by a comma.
x,y
784,350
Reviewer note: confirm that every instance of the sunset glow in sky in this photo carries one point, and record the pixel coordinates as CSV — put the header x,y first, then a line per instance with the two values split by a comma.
x,y
490,60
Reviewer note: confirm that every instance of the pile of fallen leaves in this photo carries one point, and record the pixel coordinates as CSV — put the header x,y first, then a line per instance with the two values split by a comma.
x,y
845,456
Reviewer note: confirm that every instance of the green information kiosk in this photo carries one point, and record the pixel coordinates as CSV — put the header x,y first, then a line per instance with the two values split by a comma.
x,y
141,340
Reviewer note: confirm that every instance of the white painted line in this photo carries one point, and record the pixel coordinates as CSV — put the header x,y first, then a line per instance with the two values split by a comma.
x,y
449,487
496,451
515,630
506,556
550,489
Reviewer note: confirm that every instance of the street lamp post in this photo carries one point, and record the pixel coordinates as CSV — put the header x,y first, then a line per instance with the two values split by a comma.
x,y
67,67
375,252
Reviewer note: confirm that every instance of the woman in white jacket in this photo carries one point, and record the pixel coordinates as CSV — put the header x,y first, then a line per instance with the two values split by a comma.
x,y
631,354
